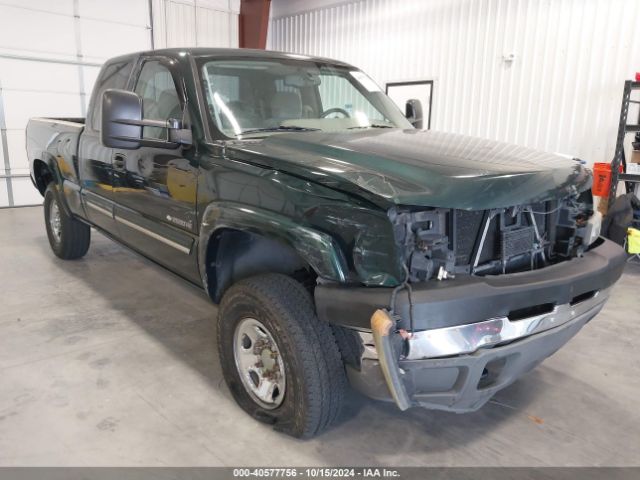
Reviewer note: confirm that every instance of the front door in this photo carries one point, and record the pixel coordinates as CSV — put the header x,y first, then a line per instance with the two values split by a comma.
x,y
155,188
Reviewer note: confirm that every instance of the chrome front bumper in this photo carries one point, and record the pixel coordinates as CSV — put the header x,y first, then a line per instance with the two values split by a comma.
x,y
464,339
460,368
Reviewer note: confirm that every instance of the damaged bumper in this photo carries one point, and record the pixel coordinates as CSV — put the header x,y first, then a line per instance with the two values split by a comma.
x,y
466,381
472,299
476,336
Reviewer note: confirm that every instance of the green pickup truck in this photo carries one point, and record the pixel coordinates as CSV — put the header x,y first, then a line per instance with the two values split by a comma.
x,y
342,243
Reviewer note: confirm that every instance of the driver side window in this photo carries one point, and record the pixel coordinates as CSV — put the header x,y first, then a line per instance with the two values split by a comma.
x,y
159,95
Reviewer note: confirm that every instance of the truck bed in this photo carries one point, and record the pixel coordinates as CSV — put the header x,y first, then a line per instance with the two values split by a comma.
x,y
54,139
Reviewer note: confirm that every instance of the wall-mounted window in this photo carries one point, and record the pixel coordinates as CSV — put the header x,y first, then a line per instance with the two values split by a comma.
x,y
421,90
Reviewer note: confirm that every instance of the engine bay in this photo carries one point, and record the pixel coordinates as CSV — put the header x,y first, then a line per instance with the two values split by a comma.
x,y
441,243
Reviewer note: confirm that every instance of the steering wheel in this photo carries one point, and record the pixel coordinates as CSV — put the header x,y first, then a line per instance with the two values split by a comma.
x,y
342,111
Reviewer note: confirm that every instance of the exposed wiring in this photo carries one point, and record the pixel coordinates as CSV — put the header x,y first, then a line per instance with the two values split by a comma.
x,y
544,213
538,236
410,294
407,285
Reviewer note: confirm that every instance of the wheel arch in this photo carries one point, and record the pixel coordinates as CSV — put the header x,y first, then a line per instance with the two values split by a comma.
x,y
43,174
237,241
45,171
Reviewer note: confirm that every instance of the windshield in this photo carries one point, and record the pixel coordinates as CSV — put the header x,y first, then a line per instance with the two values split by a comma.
x,y
266,96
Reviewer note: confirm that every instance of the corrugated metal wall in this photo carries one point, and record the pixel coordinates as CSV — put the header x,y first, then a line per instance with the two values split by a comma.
x,y
196,23
561,93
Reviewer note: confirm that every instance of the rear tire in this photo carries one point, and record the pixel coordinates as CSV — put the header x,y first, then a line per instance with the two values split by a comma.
x,y
69,238
314,379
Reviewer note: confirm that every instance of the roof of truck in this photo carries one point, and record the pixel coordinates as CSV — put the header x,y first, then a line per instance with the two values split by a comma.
x,y
230,52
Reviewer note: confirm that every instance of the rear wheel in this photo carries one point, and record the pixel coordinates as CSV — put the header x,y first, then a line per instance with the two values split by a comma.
x,y
280,362
69,238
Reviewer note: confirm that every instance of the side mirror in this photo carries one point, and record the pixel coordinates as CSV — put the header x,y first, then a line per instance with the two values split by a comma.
x,y
178,134
121,119
122,124
413,112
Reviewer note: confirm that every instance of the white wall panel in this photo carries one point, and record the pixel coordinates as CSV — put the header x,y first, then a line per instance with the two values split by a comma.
x,y
196,23
17,152
27,30
26,75
122,39
180,25
35,37
64,7
21,105
129,12
24,193
216,28
4,197
561,93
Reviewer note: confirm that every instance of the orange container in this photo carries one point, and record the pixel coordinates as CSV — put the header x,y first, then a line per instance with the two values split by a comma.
x,y
601,179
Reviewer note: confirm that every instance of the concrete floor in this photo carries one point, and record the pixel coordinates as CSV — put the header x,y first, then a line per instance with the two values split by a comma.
x,y
110,361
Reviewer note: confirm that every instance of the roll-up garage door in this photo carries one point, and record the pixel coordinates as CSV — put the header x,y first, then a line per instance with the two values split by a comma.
x,y
50,55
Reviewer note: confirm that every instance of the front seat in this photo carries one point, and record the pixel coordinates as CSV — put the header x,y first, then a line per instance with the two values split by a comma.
x,y
286,106
167,106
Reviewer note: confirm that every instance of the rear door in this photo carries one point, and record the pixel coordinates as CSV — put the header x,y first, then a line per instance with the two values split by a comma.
x,y
96,160
155,188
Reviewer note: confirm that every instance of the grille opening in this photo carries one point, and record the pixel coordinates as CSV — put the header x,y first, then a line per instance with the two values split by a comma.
x,y
531,311
582,297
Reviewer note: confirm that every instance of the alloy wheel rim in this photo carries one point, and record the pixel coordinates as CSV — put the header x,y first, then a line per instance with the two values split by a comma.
x,y
54,221
259,363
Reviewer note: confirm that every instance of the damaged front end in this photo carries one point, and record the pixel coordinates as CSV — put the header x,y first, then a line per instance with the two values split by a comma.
x,y
485,300
459,369
441,243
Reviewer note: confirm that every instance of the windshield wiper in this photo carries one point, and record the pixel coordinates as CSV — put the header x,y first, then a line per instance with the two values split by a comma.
x,y
373,125
291,128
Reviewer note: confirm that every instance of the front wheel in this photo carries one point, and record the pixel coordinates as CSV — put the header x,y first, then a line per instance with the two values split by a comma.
x,y
280,362
69,238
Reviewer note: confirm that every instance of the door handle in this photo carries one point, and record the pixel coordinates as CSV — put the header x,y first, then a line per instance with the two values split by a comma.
x,y
119,161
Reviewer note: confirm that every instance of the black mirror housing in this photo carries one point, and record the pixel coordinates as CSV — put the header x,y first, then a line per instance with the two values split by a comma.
x,y
122,124
121,119
413,112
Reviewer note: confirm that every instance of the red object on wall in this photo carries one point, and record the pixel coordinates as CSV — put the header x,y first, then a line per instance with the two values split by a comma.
x,y
637,76
254,22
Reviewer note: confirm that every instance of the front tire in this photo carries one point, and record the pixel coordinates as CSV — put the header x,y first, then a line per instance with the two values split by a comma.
x,y
280,362
69,238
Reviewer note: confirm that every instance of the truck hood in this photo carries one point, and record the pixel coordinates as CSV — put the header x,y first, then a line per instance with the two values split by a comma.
x,y
416,167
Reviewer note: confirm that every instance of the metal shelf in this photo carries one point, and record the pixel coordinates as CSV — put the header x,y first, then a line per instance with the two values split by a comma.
x,y
629,177
623,129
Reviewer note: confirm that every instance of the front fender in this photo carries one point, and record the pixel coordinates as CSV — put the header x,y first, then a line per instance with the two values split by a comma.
x,y
318,249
